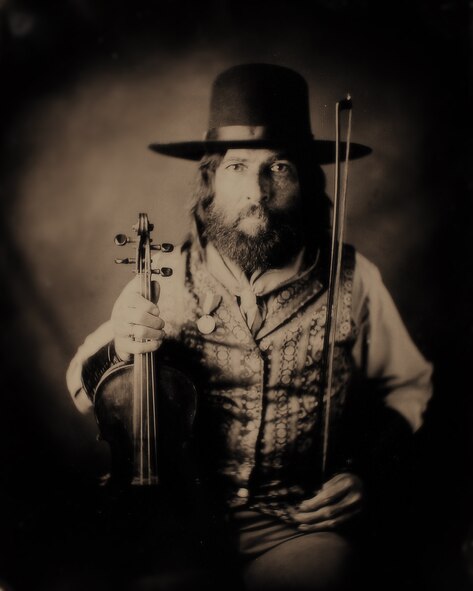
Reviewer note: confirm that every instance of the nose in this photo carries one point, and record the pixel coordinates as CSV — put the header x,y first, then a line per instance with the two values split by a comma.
x,y
257,187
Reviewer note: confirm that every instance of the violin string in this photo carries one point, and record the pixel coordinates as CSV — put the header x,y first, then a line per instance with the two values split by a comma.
x,y
147,418
155,433
151,402
146,359
154,395
139,421
149,368
141,405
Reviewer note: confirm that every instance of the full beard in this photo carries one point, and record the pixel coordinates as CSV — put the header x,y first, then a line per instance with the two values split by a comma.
x,y
272,246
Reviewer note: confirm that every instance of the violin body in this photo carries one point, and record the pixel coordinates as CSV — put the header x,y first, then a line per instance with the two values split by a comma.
x,y
176,409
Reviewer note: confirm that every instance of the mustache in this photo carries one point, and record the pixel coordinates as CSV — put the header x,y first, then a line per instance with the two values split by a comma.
x,y
255,210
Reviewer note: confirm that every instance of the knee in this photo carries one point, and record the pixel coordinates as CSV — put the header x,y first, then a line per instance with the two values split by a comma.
x,y
315,562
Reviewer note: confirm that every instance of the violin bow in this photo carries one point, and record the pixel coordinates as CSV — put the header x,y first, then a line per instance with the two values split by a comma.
x,y
336,248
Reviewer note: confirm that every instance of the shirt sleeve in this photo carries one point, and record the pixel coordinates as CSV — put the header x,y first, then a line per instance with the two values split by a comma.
x,y
384,350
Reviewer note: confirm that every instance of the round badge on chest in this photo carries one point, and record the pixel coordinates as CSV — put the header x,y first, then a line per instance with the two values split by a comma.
x,y
206,324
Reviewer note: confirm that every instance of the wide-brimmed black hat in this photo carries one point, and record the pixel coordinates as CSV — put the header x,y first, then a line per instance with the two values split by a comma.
x,y
259,106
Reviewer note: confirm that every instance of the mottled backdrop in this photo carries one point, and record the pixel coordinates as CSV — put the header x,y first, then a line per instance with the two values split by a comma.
x,y
84,91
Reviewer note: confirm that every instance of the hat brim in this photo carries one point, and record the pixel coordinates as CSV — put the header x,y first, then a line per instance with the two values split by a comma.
x,y
324,150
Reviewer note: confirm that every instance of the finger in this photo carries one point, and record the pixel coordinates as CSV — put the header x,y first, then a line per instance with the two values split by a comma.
x,y
129,347
133,316
337,478
332,491
138,347
351,502
329,524
136,301
143,333
122,355
123,328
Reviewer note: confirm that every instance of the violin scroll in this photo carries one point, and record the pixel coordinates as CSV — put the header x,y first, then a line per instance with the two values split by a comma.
x,y
142,260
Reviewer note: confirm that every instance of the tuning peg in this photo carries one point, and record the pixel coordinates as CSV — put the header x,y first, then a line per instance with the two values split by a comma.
x,y
164,247
122,239
128,261
164,271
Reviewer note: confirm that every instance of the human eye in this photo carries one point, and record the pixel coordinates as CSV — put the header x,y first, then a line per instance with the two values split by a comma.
x,y
281,167
235,166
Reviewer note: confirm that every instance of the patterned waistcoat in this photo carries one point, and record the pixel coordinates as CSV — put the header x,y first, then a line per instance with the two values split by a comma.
x,y
260,401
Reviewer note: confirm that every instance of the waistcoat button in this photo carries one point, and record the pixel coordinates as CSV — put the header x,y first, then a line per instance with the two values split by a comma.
x,y
242,493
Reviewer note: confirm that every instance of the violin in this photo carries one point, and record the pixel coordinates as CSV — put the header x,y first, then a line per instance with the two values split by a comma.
x,y
144,408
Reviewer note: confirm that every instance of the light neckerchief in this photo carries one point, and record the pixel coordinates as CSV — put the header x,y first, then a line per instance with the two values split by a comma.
x,y
250,292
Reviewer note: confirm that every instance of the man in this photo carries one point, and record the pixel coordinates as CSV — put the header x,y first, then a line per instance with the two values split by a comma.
x,y
246,309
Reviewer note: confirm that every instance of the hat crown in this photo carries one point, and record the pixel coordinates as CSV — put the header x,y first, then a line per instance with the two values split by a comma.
x,y
256,106
266,95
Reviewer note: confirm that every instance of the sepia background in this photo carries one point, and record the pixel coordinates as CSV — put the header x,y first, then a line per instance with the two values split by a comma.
x,y
85,88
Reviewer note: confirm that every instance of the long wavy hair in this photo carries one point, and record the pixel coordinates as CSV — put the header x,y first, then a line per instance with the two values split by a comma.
x,y
317,206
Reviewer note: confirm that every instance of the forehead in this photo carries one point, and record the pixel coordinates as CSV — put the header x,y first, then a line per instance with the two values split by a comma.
x,y
255,155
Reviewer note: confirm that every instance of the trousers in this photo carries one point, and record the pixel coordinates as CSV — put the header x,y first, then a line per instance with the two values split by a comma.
x,y
278,557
